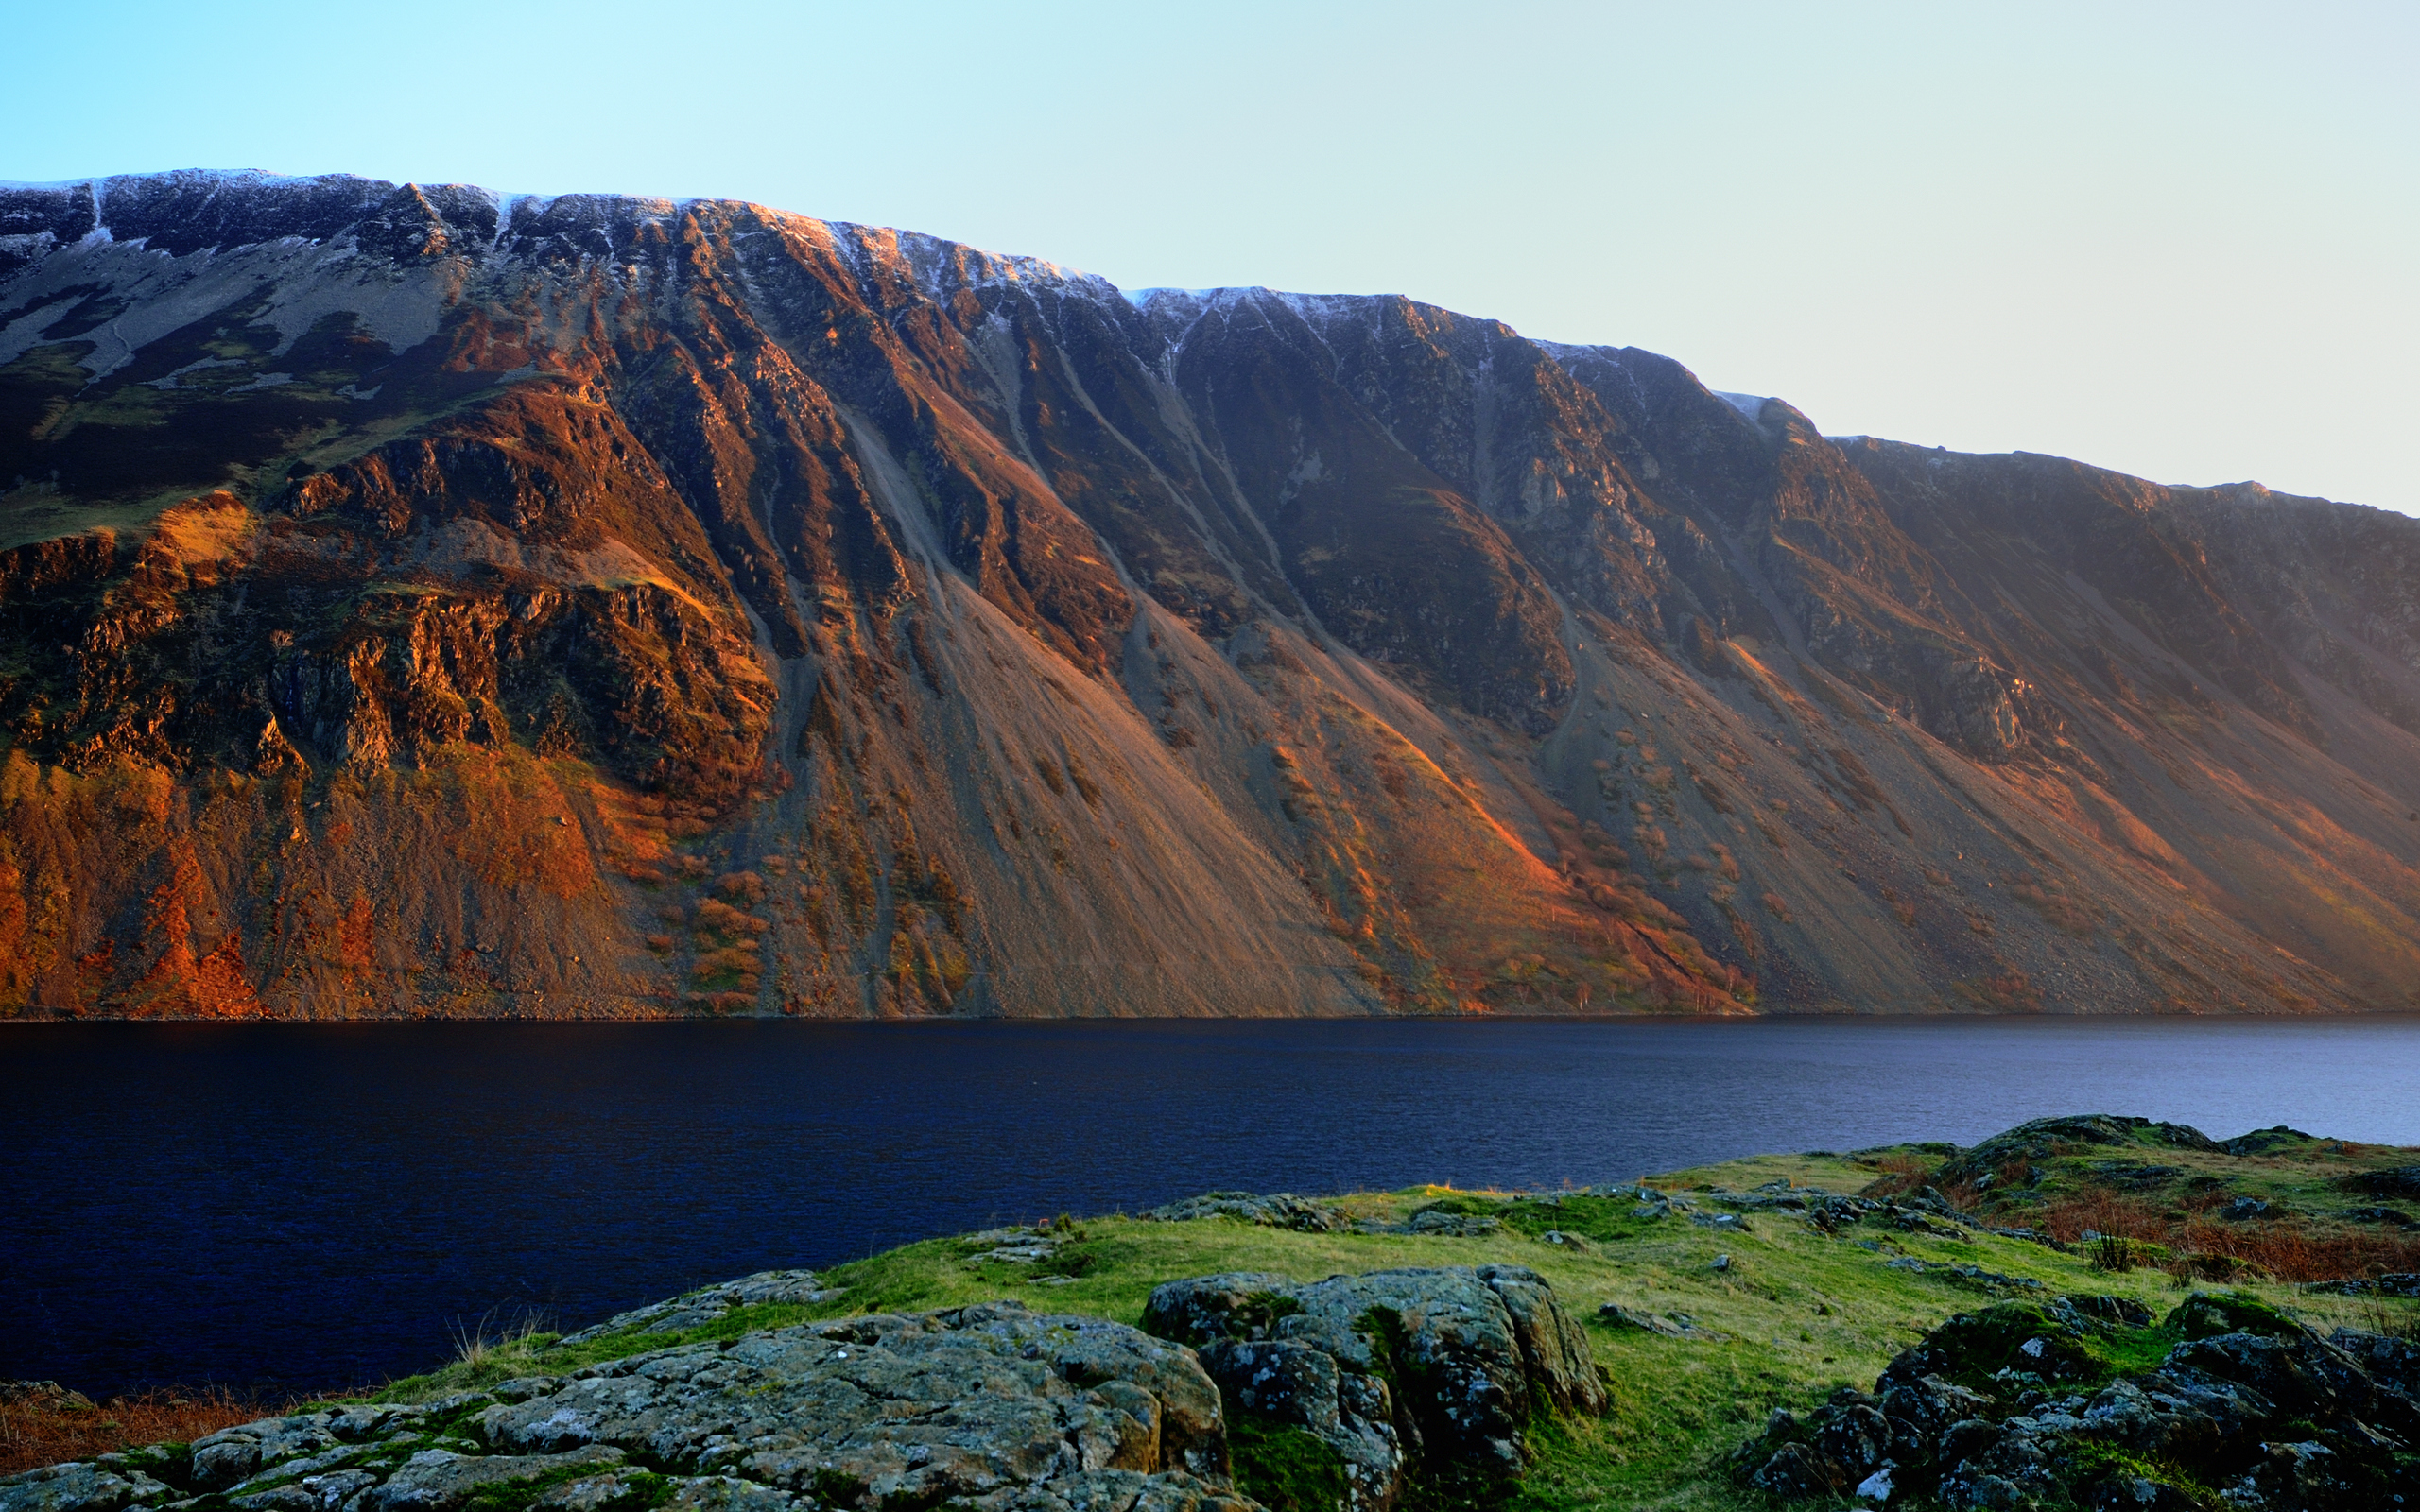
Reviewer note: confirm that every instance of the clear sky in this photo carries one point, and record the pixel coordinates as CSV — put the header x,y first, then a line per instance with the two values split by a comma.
x,y
2180,240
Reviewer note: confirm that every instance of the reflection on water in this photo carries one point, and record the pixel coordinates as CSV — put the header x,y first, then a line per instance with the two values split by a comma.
x,y
295,1207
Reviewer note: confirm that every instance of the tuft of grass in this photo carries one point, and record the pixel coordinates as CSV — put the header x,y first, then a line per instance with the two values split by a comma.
x,y
491,1350
2394,1317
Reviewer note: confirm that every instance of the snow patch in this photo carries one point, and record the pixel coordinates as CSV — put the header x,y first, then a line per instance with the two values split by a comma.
x,y
1750,406
26,330
168,381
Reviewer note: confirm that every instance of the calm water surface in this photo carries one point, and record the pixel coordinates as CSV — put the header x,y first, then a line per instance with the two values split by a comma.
x,y
293,1208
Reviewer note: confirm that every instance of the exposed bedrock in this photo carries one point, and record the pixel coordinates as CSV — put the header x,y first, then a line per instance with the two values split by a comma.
x,y
1410,1377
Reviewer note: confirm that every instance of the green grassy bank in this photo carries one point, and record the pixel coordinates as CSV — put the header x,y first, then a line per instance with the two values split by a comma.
x,y
1776,1312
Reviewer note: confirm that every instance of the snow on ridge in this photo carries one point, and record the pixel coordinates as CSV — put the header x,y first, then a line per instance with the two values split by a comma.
x,y
930,258
1566,352
1750,406
244,176
938,266
1199,299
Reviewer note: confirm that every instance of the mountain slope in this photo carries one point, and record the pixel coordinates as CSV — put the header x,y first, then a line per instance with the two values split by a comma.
x,y
420,600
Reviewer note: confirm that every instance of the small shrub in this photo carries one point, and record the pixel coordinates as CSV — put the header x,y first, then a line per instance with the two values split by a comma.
x,y
2116,1252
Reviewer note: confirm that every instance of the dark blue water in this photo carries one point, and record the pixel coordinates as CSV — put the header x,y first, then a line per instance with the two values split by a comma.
x,y
287,1207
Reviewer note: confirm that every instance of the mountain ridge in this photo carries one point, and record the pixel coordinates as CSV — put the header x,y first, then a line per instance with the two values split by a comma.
x,y
604,605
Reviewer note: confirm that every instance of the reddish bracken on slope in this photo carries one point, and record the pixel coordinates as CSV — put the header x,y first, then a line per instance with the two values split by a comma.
x,y
420,601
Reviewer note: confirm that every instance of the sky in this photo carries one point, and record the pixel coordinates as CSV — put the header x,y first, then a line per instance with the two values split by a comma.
x,y
2178,240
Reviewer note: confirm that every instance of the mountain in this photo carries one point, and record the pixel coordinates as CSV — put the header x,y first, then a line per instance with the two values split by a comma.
x,y
417,600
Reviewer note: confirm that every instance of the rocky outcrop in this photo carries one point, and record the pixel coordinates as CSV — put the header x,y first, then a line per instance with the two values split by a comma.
x,y
1278,1209
1401,1380
2020,1406
711,1304
1407,1377
2010,1155
991,1407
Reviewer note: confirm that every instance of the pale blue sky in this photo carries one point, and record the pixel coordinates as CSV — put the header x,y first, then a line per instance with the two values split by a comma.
x,y
2180,240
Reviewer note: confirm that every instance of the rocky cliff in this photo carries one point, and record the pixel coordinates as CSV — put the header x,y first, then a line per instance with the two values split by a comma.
x,y
419,600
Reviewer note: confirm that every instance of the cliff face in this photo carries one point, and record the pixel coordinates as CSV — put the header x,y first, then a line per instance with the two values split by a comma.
x,y
420,601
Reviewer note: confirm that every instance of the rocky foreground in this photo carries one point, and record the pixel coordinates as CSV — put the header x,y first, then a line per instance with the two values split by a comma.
x,y
2098,1312
2022,1405
1403,1377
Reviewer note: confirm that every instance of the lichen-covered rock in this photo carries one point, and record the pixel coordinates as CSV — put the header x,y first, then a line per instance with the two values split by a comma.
x,y
438,1480
1277,1210
959,1406
45,1396
711,1304
2019,1406
1405,1374
2019,1147
1435,1222
80,1488
994,1408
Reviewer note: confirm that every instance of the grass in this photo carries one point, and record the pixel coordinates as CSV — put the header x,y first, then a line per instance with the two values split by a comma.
x,y
1284,1470
1796,1313
488,1351
45,1431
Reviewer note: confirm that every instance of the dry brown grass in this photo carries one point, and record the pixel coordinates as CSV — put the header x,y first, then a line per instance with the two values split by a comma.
x,y
1966,1195
1901,1175
2103,1211
2285,1250
41,1433
2292,1252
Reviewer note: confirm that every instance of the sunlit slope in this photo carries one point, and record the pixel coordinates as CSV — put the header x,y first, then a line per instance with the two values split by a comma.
x,y
421,600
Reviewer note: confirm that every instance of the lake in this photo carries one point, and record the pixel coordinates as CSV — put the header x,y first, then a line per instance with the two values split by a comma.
x,y
288,1208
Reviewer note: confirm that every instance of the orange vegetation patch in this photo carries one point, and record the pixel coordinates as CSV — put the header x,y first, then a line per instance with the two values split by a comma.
x,y
204,531
512,823
44,1429
638,830
1902,1175
181,983
2287,1250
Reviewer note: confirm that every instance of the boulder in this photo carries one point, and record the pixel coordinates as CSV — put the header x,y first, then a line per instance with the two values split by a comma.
x,y
1671,1325
970,1405
1436,1221
43,1396
2401,1182
994,1408
2014,1406
1430,1375
82,1489
1278,1209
